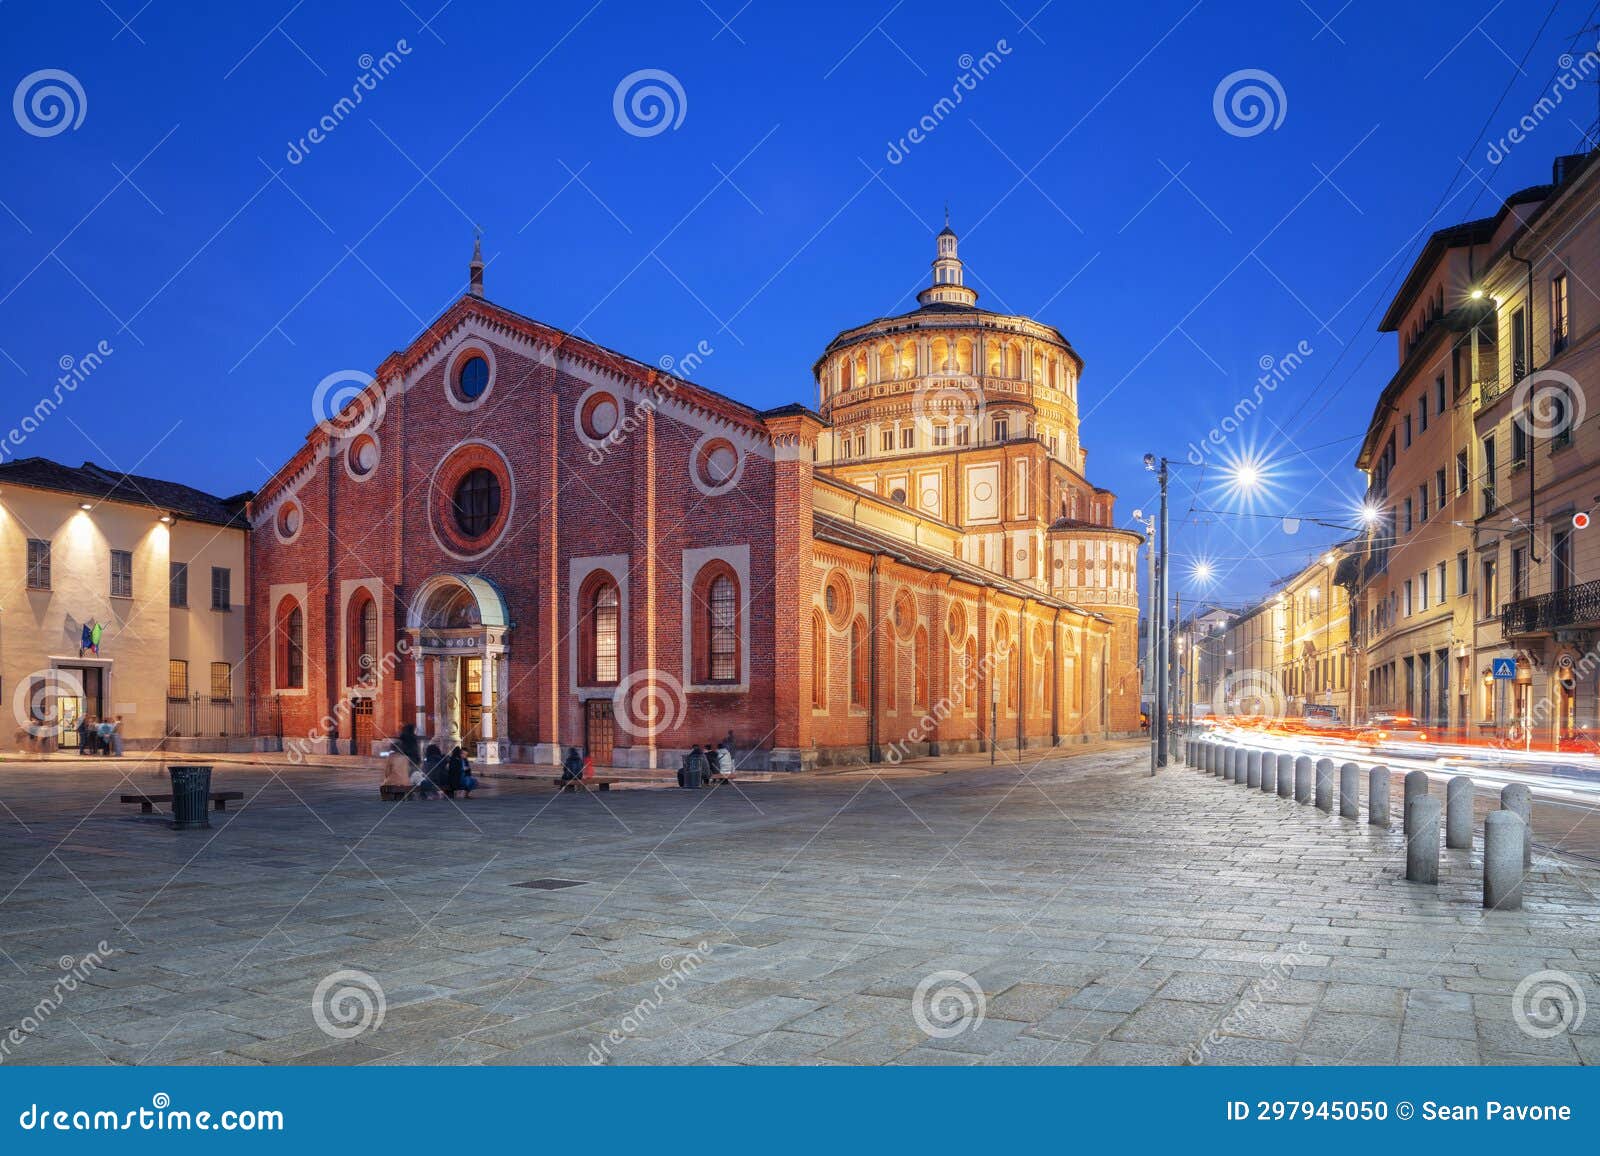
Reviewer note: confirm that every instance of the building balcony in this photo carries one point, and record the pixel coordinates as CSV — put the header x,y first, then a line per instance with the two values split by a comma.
x,y
1546,613
1487,386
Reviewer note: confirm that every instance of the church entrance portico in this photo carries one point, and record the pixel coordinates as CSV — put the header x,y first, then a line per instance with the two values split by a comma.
x,y
458,631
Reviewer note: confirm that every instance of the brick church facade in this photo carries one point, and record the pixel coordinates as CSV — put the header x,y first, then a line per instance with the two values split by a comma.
x,y
521,541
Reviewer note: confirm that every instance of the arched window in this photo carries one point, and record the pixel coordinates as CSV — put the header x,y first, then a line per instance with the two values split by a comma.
x,y
291,645
969,674
1014,362
600,631
715,610
919,663
361,662
819,661
964,355
858,662
886,362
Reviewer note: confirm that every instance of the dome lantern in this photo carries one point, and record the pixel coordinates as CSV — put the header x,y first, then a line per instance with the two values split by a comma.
x,y
947,287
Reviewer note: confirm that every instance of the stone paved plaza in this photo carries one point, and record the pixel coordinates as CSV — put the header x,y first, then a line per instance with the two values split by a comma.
x,y
1102,916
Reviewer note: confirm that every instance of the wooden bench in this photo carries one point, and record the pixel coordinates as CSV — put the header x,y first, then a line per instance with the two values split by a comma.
x,y
394,792
718,779
583,784
147,803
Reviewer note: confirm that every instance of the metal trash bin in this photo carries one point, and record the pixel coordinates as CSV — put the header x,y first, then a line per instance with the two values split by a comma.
x,y
191,795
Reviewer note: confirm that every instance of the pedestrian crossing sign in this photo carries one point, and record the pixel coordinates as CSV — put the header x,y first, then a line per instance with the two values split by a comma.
x,y
1505,667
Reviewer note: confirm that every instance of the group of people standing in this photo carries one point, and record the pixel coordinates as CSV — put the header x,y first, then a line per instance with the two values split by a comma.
x,y
102,738
432,773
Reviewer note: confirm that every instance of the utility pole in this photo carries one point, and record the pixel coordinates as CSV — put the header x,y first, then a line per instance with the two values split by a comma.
x,y
1149,678
1164,638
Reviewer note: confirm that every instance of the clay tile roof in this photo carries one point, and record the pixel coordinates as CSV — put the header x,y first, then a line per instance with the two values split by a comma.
x,y
96,482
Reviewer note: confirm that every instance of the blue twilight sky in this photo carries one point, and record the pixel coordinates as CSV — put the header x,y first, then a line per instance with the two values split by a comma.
x,y
1088,173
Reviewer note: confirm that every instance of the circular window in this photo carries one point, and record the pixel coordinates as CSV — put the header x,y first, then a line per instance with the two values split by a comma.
x,y
905,613
288,520
362,456
716,466
470,500
476,502
597,417
837,599
898,495
956,623
473,377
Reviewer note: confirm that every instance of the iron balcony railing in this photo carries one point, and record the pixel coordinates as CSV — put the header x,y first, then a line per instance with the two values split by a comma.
x,y
1574,606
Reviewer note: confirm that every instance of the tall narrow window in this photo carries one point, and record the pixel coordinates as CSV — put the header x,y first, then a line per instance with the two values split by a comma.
x,y
1519,574
1491,591
723,629
1519,344
291,646
1558,313
178,585
819,661
177,680
221,682
1562,575
221,588
858,663
605,631
38,564
121,574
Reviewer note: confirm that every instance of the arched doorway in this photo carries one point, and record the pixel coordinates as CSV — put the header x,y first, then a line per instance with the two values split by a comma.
x,y
458,629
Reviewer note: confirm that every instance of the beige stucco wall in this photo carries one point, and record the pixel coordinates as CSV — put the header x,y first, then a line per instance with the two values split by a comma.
x,y
40,629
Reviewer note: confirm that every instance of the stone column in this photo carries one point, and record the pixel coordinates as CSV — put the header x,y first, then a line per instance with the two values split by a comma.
x,y
489,697
1302,779
419,663
794,433
1505,836
1458,813
1349,791
1422,841
1416,790
1378,797
1325,785
1517,799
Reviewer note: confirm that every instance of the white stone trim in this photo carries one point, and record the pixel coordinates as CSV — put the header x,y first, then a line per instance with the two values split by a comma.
x,y
738,557
578,571
348,588
276,593
510,498
467,344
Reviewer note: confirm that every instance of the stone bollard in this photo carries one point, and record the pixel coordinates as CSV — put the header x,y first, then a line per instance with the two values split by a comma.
x,y
1302,779
1350,791
1325,784
1269,771
1517,799
1378,796
1458,812
1227,763
1214,757
1416,788
1504,836
1235,765
1202,755
1285,775
1422,843
1252,769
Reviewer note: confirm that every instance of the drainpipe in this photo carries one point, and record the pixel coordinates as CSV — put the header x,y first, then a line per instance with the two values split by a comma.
x,y
1055,678
874,755
1022,687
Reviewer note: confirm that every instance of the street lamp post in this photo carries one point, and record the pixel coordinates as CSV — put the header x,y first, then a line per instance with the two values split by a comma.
x,y
1158,732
